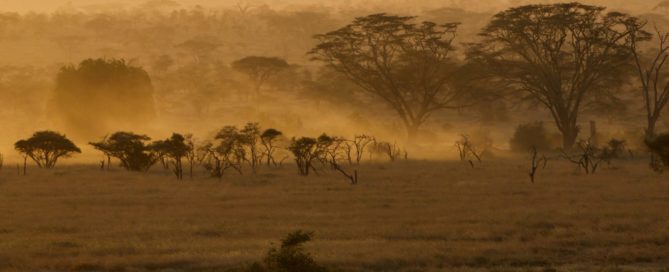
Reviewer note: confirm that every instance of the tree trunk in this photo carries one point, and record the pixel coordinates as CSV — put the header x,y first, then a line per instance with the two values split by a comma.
x,y
569,134
412,131
650,130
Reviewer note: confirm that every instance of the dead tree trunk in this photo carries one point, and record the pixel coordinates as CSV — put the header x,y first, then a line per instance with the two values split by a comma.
x,y
536,162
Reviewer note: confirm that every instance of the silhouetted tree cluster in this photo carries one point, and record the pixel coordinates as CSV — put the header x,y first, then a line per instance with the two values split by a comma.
x,y
100,94
133,150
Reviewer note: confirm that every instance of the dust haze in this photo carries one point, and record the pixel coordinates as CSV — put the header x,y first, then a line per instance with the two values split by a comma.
x,y
187,48
425,135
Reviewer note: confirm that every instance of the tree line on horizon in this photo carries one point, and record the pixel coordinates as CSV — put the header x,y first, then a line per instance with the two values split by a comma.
x,y
564,58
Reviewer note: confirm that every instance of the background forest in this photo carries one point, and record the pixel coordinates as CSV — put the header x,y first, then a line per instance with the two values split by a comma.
x,y
188,51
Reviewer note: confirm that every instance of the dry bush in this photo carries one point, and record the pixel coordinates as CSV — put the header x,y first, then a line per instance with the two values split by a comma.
x,y
586,156
290,256
530,136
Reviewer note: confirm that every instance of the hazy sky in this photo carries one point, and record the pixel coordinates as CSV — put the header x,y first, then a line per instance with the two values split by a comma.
x,y
50,5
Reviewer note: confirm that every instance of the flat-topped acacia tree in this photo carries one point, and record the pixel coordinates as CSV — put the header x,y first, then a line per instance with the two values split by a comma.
x,y
46,147
133,150
560,56
260,69
405,65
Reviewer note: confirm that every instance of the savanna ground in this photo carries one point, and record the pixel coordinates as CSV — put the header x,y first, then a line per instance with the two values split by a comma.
x,y
404,216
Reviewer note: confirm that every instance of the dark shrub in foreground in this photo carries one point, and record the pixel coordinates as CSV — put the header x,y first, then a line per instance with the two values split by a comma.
x,y
289,257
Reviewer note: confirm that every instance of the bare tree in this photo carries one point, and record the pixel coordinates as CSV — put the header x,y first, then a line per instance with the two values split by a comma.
x,y
587,157
355,148
652,74
557,55
536,162
406,65
467,148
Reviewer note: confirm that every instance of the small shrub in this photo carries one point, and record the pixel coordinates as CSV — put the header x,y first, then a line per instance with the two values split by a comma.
x,y
290,257
528,136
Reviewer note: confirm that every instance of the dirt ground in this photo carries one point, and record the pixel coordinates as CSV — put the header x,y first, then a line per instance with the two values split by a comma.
x,y
403,216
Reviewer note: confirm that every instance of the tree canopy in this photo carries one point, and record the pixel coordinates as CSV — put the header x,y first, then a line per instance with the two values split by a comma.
x,y
260,69
557,55
99,94
46,147
131,149
406,65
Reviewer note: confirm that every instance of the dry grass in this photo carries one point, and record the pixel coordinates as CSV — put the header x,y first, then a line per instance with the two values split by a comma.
x,y
408,216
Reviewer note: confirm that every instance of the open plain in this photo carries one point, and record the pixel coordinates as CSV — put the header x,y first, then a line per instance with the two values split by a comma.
x,y
402,216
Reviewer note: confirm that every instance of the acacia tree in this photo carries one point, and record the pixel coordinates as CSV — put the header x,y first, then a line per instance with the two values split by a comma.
x,y
250,137
305,150
268,139
175,149
652,74
46,147
556,55
260,69
405,65
131,149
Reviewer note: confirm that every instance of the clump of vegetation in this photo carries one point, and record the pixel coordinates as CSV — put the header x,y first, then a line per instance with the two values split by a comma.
x,y
614,149
46,147
467,149
392,151
131,149
305,150
268,139
124,91
530,136
228,152
659,146
355,148
173,149
587,157
290,257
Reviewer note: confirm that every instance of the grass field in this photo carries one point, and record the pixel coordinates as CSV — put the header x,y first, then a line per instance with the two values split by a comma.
x,y
404,216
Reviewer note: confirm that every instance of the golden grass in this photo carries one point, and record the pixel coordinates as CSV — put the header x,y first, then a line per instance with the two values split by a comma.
x,y
405,216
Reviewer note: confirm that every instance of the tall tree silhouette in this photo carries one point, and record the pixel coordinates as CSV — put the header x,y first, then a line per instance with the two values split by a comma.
x,y
652,74
405,65
260,69
557,55
100,94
